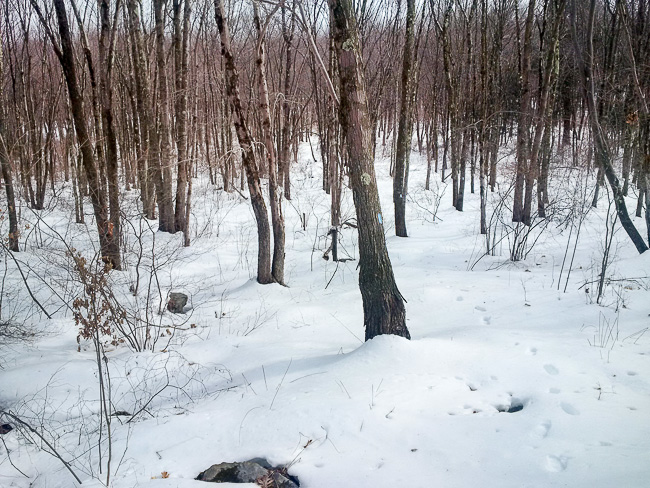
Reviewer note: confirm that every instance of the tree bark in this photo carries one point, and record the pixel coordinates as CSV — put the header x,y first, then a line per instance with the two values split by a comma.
x,y
405,127
181,34
275,196
163,172
264,275
146,159
5,166
106,50
109,250
601,146
383,304
523,123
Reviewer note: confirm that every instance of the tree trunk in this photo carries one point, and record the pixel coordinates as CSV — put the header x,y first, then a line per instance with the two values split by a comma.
x,y
383,304
523,124
275,196
110,253
601,147
181,34
405,127
5,166
264,275
285,154
163,172
148,136
106,49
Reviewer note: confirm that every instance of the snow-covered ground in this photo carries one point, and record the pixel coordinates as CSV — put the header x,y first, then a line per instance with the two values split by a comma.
x,y
508,381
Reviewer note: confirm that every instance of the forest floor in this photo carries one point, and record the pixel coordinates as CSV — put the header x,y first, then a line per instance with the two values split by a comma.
x,y
509,379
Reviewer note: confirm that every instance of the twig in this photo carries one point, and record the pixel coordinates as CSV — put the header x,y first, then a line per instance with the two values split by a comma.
x,y
40,436
29,290
280,384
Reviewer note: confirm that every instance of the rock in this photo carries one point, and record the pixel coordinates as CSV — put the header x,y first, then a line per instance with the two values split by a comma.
x,y
256,470
176,302
5,429
245,472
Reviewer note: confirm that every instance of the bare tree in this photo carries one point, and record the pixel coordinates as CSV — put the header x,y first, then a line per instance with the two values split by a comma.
x,y
108,239
383,304
5,166
264,275
275,196
405,129
601,144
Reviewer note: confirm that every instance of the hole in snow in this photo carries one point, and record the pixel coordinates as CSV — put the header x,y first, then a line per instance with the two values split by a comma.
x,y
516,405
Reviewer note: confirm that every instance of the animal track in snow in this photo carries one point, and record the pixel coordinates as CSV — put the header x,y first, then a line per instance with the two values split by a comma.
x,y
540,431
550,369
570,409
486,320
480,309
531,351
556,464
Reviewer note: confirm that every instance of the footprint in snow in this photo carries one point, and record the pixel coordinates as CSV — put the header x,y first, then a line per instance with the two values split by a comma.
x,y
531,351
480,309
459,299
550,369
570,409
541,431
486,320
555,464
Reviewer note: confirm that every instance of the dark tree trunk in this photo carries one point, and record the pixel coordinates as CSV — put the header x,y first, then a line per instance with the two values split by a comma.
x,y
109,249
146,162
383,304
601,147
405,127
264,275
163,172
106,49
5,166
524,171
181,34
287,132
275,196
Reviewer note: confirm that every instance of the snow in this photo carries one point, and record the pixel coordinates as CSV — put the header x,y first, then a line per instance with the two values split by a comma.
x,y
283,372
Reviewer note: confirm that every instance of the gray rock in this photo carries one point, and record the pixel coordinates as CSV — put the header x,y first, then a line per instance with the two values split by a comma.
x,y
176,302
282,481
247,472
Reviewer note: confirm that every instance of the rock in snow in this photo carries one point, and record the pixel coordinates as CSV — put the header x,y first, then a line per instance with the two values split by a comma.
x,y
255,470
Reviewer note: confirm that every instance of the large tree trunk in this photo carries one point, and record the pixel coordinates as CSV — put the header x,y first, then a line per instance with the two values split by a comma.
x,y
5,166
601,147
523,123
146,161
109,250
405,127
106,49
181,34
264,275
287,129
275,196
383,304
163,172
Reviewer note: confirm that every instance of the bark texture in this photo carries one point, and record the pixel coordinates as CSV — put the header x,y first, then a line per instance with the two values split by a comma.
x,y
383,304
264,275
5,166
405,127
